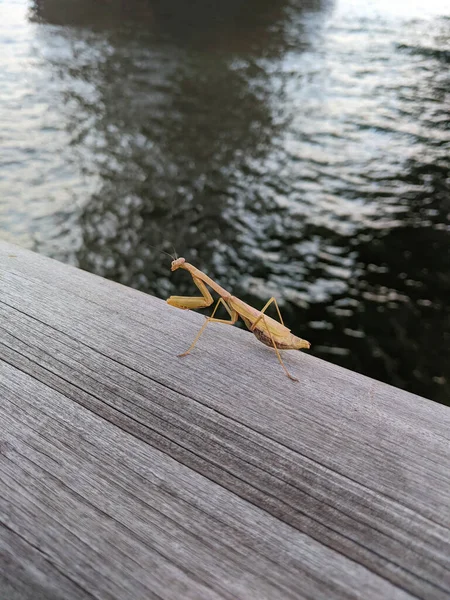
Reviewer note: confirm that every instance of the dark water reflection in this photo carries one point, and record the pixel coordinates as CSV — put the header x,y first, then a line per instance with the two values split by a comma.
x,y
288,149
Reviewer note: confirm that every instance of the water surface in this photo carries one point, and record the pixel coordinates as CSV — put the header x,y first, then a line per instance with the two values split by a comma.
x,y
292,149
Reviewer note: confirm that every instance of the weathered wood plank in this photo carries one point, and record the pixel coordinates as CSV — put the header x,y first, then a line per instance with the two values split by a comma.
x,y
26,574
336,486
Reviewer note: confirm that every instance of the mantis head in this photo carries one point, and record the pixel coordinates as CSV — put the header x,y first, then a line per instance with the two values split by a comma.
x,y
176,264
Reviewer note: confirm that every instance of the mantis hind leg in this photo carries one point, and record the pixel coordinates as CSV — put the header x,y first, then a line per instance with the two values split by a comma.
x,y
275,346
263,310
234,317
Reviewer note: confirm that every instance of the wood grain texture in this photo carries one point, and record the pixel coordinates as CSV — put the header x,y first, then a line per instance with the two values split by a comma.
x,y
129,473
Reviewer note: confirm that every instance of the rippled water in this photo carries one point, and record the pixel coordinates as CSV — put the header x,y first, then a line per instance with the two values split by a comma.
x,y
292,149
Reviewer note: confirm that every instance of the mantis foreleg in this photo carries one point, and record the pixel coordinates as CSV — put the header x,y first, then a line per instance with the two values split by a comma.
x,y
187,302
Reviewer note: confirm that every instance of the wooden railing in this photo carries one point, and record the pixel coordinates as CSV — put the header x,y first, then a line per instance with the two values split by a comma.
x,y
128,473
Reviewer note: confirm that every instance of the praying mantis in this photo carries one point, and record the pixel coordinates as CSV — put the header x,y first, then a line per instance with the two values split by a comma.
x,y
268,331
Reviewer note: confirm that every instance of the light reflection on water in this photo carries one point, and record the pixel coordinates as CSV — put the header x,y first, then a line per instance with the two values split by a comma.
x,y
302,154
